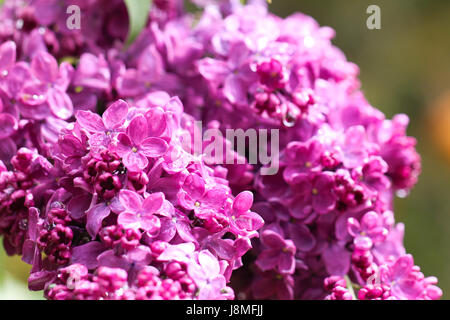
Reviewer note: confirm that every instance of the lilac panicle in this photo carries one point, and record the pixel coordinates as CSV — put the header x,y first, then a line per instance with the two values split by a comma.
x,y
99,194
341,160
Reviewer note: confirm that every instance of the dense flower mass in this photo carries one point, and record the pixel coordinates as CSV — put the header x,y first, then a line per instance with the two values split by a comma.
x,y
100,193
128,217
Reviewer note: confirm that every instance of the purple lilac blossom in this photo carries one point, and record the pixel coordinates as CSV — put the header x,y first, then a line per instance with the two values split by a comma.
x,y
99,194
341,160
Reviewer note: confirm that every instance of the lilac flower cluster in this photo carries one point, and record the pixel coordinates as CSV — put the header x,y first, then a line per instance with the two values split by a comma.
x,y
126,209
100,194
36,25
328,210
111,206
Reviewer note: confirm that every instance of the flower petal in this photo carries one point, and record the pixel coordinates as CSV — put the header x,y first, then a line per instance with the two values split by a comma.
x,y
123,144
59,103
167,231
153,202
8,148
115,115
250,221
235,90
18,75
150,223
337,260
95,216
129,220
137,130
267,260
45,67
302,237
71,146
212,69
78,206
135,161
286,263
243,202
130,200
209,263
156,121
130,84
33,94
8,125
272,239
87,254
7,54
90,121
153,147
184,231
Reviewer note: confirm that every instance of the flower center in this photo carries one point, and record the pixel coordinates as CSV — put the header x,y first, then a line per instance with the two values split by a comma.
x,y
134,149
315,191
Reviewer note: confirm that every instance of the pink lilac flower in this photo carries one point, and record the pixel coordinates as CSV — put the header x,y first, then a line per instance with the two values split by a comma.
x,y
150,74
243,221
117,207
370,230
278,253
8,125
234,75
134,146
337,159
50,85
104,128
206,273
140,214
7,60
93,229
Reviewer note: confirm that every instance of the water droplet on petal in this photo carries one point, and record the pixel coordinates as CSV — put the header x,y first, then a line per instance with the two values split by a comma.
x,y
289,120
57,205
402,193
19,24
23,224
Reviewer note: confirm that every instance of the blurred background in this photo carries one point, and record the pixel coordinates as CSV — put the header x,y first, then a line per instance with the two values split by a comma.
x,y
405,68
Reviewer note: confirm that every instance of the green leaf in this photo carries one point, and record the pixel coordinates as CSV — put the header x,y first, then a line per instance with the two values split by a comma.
x,y
138,11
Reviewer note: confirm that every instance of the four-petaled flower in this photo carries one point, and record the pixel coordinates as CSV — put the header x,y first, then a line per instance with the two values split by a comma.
x,y
279,253
104,128
50,86
242,220
140,213
134,146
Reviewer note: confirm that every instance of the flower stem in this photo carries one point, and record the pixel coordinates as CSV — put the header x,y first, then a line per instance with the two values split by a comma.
x,y
350,287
